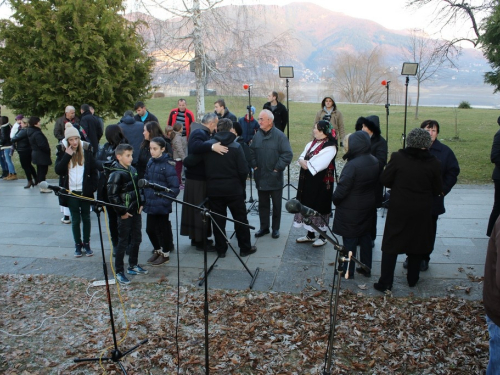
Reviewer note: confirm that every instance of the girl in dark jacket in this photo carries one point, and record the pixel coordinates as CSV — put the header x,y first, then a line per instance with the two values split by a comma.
x,y
77,172
158,227
151,130
23,148
104,158
40,150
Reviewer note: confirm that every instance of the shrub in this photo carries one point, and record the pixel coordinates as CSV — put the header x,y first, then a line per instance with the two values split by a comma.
x,y
158,95
464,105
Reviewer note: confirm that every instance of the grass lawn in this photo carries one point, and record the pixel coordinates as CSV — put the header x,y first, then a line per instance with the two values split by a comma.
x,y
476,128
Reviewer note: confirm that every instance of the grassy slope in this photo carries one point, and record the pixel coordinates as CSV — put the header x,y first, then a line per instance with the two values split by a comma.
x,y
476,128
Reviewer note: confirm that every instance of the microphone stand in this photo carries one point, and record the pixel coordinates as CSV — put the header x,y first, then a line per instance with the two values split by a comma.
x,y
116,354
207,214
249,111
342,257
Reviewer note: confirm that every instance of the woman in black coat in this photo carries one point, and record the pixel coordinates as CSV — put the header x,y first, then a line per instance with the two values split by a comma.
x,y
414,177
23,148
354,199
40,154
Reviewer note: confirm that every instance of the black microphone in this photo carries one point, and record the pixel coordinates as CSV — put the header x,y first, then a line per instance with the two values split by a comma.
x,y
294,206
57,189
146,184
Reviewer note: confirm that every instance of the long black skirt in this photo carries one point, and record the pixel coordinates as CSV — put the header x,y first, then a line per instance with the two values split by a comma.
x,y
191,219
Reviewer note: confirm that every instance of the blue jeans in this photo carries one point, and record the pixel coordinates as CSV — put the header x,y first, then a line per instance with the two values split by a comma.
x,y
8,160
494,363
3,164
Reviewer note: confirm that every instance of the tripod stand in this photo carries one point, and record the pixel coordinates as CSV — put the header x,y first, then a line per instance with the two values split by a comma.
x,y
249,111
288,184
116,354
206,215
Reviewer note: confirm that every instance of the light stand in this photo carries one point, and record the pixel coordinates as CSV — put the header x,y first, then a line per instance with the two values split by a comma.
x,y
409,69
387,105
249,111
206,214
287,72
116,354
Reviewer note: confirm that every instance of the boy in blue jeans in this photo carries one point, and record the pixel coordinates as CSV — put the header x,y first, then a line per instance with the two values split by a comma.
x,y
123,190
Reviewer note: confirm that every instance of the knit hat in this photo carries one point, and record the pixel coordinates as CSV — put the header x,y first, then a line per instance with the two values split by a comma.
x,y
252,108
71,131
418,138
19,117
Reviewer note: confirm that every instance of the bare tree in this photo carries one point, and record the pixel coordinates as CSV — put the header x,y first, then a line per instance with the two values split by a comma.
x,y
432,56
357,76
224,44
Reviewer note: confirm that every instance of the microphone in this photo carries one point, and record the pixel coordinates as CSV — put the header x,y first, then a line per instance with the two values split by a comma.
x,y
146,184
294,206
57,189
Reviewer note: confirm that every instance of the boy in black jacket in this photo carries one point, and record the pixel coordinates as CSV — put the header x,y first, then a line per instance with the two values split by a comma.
x,y
123,190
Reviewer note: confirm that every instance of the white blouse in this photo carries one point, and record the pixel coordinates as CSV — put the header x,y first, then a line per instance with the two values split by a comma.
x,y
321,160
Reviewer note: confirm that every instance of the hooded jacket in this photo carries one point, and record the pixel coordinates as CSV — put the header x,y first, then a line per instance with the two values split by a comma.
x,y
133,130
378,148
249,128
354,197
40,154
161,172
123,190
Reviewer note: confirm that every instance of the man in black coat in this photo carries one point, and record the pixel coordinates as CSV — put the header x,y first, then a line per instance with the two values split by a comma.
x,y
279,111
91,128
226,182
133,130
495,158
222,111
354,200
143,115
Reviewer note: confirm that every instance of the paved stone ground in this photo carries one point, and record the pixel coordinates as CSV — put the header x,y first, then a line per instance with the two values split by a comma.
x,y
34,241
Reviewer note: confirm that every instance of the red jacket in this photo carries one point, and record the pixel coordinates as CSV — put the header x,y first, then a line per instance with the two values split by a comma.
x,y
189,116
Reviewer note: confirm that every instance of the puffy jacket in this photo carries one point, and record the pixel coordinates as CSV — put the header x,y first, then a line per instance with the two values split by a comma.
x,y
123,190
270,151
21,140
90,176
40,154
161,172
104,160
280,115
354,197
249,128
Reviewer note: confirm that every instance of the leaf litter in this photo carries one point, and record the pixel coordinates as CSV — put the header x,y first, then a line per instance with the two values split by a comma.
x,y
250,332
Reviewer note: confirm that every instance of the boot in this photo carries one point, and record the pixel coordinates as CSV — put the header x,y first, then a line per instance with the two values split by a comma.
x,y
14,177
162,258
30,184
156,254
9,177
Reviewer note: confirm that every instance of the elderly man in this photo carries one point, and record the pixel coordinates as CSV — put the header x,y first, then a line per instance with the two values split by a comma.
x,y
270,153
69,116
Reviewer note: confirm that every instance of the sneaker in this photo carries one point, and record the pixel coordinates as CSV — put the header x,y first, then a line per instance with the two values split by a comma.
x,y
88,252
319,242
161,259
122,279
405,264
66,220
305,239
45,191
137,270
78,250
156,254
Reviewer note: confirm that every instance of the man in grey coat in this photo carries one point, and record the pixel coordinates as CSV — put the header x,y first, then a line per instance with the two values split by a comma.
x,y
270,153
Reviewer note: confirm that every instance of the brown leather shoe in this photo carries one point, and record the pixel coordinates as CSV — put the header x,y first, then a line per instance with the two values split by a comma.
x,y
162,259
153,257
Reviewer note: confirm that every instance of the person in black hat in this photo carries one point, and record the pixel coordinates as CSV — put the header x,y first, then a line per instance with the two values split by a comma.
x,y
414,177
495,158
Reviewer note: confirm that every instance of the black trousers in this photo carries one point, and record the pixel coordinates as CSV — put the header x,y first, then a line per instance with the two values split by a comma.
x,y
159,230
29,169
265,197
113,225
495,212
41,172
236,205
389,265
133,227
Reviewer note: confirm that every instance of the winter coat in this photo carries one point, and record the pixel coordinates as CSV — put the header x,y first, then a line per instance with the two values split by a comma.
x,y
280,115
227,114
133,130
91,127
40,148
414,177
179,145
59,127
188,120
270,153
449,173
226,174
123,190
495,156
249,128
22,141
104,159
379,150
161,172
90,176
5,141
149,117
354,197
337,121
197,147
246,150
491,287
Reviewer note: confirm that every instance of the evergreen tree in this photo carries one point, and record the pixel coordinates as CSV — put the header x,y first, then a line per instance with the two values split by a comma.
x,y
490,40
68,52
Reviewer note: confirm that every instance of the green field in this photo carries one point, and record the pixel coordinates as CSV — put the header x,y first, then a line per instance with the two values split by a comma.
x,y
476,128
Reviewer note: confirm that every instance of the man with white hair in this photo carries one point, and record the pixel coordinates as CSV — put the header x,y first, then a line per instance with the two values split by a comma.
x,y
69,116
270,153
